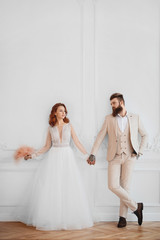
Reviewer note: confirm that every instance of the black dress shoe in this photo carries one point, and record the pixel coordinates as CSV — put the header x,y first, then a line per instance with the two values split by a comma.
x,y
139,213
122,222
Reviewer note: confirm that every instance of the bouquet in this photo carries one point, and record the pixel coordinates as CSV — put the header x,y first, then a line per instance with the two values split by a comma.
x,y
22,152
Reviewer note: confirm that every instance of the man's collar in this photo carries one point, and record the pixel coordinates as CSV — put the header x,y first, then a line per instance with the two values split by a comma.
x,y
126,115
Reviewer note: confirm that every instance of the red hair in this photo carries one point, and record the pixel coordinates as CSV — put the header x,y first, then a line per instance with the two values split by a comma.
x,y
53,118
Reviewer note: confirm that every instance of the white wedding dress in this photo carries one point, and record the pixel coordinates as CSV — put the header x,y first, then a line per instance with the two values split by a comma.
x,y
57,199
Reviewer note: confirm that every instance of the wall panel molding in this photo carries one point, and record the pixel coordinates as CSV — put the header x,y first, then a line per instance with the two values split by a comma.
x,y
149,164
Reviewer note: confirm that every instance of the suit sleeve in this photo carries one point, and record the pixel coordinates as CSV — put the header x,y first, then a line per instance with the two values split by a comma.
x,y
102,133
144,136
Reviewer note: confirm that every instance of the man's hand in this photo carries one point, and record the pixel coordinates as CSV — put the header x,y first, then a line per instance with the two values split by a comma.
x,y
91,160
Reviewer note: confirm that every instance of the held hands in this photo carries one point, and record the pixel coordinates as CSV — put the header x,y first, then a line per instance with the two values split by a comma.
x,y
91,160
29,156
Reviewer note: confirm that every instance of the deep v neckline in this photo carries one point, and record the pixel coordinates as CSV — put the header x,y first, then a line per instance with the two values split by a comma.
x,y
60,136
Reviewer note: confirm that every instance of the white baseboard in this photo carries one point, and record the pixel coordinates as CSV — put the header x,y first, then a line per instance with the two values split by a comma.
x,y
6,215
131,217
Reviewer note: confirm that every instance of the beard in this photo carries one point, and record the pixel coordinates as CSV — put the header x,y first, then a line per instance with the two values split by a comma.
x,y
116,111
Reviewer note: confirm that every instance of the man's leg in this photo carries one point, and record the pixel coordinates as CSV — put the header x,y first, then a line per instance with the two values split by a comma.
x,y
125,181
114,172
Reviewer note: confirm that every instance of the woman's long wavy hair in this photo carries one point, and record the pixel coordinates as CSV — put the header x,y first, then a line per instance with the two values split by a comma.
x,y
53,118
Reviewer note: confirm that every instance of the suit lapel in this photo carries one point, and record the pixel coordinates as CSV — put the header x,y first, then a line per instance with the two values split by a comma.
x,y
114,122
130,119
115,125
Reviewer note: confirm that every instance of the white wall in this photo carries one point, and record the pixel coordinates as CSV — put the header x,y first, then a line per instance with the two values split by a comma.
x,y
78,52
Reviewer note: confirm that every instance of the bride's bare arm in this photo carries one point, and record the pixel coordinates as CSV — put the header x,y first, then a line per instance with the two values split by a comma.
x,y
77,142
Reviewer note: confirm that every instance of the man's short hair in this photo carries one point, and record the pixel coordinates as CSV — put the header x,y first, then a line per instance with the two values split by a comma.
x,y
117,95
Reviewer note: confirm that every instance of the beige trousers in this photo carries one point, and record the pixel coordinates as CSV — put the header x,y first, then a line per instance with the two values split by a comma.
x,y
120,171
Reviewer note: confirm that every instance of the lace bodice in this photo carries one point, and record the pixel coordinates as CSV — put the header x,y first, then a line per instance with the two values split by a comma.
x,y
54,140
55,136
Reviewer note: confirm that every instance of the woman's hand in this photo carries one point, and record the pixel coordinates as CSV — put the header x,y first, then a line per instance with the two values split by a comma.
x,y
28,157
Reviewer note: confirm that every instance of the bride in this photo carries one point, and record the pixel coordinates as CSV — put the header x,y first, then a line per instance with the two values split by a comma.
x,y
58,200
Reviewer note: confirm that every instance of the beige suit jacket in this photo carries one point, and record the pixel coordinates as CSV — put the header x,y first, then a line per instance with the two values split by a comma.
x,y
110,127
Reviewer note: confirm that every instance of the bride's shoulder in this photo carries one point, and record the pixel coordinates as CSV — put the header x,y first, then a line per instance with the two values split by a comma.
x,y
69,124
50,128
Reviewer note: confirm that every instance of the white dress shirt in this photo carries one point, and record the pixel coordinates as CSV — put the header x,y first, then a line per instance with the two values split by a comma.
x,y
122,122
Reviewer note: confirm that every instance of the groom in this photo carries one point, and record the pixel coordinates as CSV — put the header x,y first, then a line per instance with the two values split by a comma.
x,y
123,129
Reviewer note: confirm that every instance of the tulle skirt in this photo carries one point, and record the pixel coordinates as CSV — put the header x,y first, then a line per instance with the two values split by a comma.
x,y
57,199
